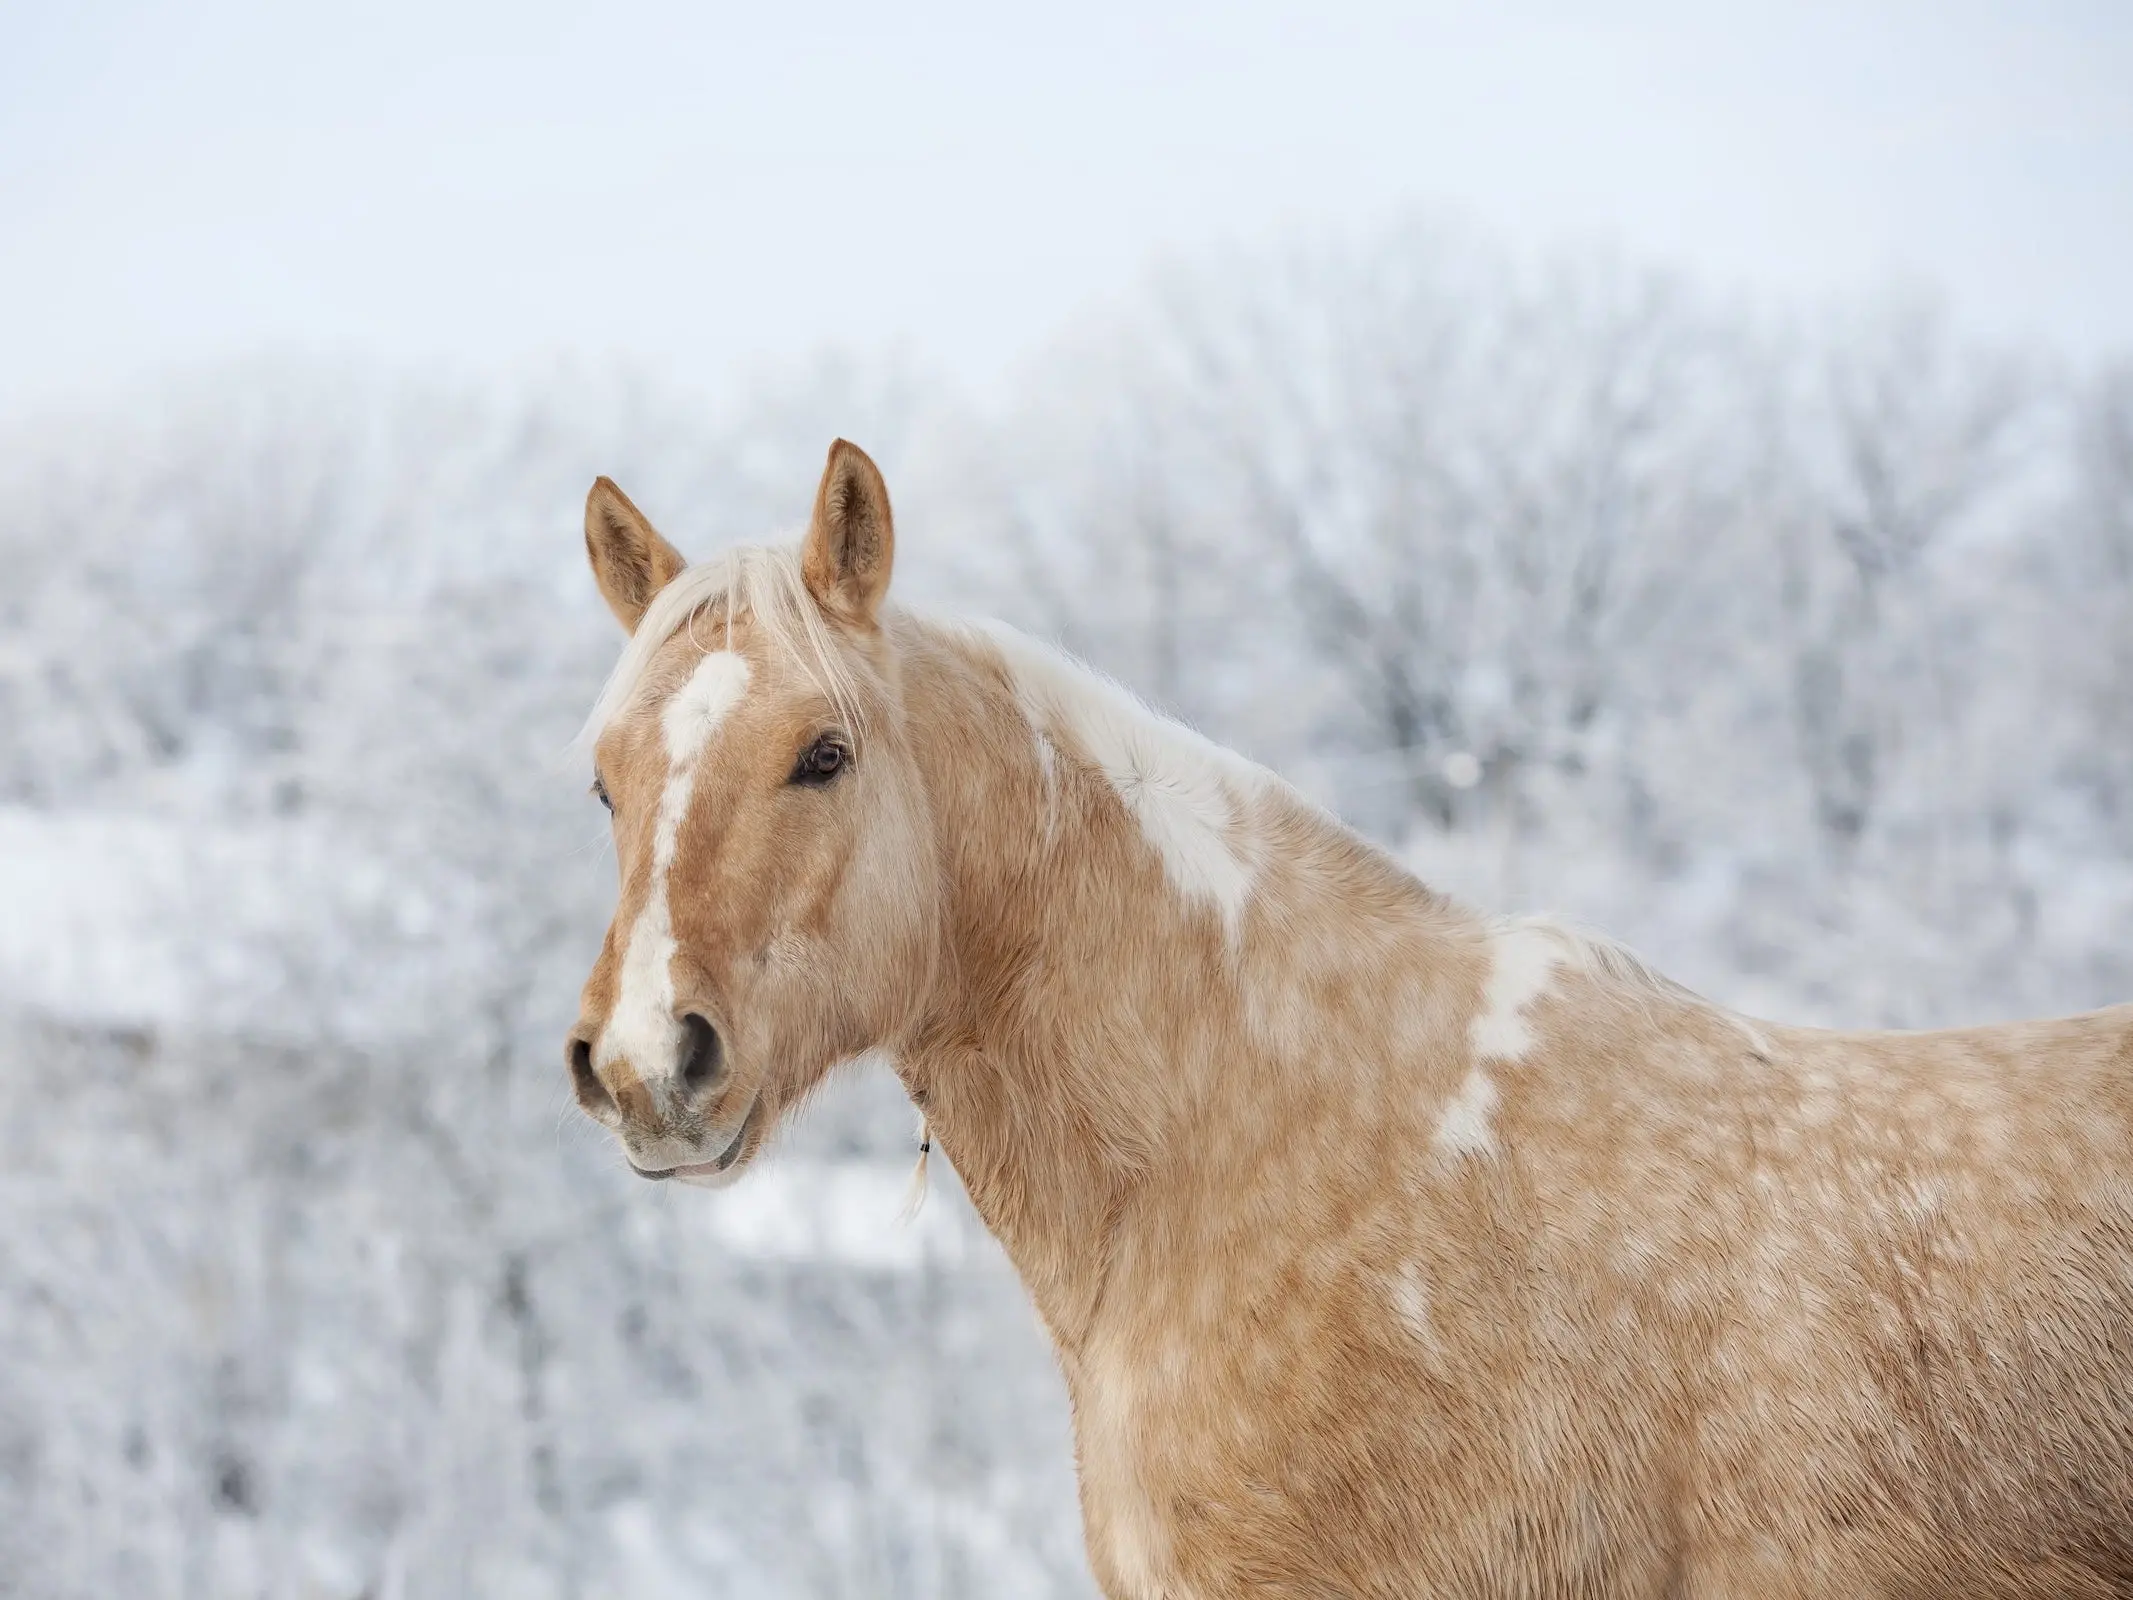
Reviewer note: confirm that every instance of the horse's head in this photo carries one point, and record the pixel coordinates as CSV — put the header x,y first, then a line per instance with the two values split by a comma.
x,y
778,897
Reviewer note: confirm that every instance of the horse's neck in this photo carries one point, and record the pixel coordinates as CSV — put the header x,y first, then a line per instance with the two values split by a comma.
x,y
1108,992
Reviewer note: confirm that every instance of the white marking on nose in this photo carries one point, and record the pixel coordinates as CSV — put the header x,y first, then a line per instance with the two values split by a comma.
x,y
641,1028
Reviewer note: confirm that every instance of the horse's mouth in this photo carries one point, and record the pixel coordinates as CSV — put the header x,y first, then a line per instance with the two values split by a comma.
x,y
720,1166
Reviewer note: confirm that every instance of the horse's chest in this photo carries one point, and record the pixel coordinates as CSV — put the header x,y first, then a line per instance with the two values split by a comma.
x,y
1125,1426
1178,1476
1333,1452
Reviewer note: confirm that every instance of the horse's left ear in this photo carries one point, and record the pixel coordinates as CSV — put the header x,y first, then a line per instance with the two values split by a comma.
x,y
852,542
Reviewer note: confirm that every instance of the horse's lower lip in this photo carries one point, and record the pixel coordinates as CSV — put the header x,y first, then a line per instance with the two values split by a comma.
x,y
717,1164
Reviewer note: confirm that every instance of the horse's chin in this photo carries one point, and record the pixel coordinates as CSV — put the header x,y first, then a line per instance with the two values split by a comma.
x,y
728,1164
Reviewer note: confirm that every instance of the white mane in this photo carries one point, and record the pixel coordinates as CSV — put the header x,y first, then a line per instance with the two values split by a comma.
x,y
760,582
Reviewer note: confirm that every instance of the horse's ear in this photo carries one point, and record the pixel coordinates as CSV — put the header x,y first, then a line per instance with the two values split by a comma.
x,y
852,541
630,562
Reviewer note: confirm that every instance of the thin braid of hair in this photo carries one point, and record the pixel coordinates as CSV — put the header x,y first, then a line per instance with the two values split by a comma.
x,y
915,1196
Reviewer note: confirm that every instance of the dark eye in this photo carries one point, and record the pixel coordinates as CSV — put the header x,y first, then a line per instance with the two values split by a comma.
x,y
822,760
600,789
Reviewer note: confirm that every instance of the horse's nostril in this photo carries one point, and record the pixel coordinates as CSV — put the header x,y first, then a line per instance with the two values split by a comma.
x,y
703,1059
592,1093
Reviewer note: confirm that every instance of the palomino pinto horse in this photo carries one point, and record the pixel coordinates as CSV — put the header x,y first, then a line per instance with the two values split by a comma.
x,y
1389,1249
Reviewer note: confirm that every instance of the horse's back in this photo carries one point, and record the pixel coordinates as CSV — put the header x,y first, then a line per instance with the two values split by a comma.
x,y
1714,1311
1929,1383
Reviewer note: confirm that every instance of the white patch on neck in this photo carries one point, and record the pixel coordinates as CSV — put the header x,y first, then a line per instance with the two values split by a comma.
x,y
1190,797
1410,1303
641,1029
1522,960
1463,1127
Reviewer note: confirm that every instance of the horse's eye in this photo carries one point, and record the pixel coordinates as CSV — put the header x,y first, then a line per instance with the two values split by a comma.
x,y
821,761
600,789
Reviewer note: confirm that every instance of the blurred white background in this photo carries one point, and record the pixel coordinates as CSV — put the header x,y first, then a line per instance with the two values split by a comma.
x,y
1665,463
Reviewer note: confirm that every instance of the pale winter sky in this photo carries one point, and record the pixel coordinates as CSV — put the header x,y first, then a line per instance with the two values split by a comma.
x,y
474,186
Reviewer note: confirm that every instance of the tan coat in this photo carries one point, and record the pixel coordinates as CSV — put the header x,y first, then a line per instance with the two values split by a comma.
x,y
1388,1249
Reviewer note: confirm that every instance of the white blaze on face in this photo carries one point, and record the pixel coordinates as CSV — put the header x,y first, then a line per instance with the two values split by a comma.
x,y
642,1030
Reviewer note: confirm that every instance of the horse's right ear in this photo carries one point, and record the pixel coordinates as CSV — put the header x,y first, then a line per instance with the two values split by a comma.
x,y
630,562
